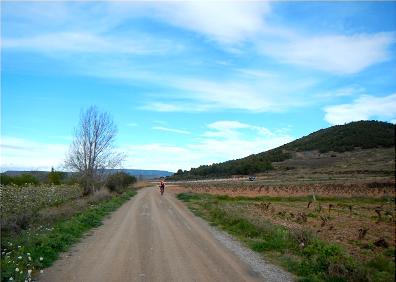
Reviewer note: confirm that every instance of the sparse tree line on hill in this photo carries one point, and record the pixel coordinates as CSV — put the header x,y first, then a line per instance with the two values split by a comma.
x,y
91,153
246,166
340,138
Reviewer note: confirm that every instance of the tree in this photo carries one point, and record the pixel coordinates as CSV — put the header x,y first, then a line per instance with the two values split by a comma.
x,y
55,177
92,150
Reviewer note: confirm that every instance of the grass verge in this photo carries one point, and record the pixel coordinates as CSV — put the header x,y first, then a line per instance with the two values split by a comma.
x,y
299,251
25,254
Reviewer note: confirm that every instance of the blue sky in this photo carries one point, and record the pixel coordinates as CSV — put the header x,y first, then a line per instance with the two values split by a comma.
x,y
190,83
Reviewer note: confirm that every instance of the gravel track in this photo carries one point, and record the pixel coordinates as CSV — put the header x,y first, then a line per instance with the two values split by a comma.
x,y
154,238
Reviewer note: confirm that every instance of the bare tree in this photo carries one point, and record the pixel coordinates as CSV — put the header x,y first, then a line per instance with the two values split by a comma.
x,y
92,149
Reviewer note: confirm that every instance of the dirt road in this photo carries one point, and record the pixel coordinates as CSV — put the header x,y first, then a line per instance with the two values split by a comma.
x,y
154,238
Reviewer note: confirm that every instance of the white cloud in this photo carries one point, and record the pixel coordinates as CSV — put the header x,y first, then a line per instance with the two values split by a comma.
x,y
237,22
24,154
364,108
338,54
256,73
229,140
85,42
257,95
174,106
233,23
174,130
132,124
236,26
352,90
225,140
230,129
225,22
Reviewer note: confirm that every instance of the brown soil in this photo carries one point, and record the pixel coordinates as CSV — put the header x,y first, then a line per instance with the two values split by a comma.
x,y
341,225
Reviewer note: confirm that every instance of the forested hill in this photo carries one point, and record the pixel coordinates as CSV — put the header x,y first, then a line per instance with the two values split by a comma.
x,y
339,138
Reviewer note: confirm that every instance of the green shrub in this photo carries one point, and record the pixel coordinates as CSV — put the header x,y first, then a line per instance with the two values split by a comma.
x,y
24,179
20,180
55,177
119,181
5,179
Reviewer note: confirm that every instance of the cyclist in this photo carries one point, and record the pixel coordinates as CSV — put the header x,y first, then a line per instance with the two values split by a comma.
x,y
162,187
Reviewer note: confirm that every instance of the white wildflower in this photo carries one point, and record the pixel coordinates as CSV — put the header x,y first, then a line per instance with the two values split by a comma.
x,y
29,258
17,269
41,271
41,258
28,254
29,272
19,257
11,279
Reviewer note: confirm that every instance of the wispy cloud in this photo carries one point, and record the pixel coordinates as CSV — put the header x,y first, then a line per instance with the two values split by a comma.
x,y
173,130
85,42
132,124
364,108
224,141
19,153
234,26
224,22
231,129
256,95
351,90
339,54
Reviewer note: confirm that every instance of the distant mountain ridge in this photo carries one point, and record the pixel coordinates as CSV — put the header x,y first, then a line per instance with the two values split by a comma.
x,y
146,173
142,173
339,138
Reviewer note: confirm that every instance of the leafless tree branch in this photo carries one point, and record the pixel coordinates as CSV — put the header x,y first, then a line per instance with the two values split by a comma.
x,y
93,149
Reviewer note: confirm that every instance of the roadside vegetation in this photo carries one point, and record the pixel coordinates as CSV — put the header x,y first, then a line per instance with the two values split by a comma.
x,y
44,213
28,248
330,239
39,222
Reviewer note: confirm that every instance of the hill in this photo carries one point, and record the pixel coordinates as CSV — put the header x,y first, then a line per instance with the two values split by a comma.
x,y
339,138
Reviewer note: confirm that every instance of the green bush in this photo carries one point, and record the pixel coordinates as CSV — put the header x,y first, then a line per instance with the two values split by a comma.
x,y
19,180
55,177
119,181
5,179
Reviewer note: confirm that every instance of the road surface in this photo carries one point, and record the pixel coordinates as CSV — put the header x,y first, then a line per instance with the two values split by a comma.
x,y
154,238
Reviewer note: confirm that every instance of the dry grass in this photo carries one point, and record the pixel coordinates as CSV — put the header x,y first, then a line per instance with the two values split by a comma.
x,y
254,189
142,184
67,210
357,228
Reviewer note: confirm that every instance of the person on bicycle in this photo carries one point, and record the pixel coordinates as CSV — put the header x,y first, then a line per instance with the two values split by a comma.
x,y
162,186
